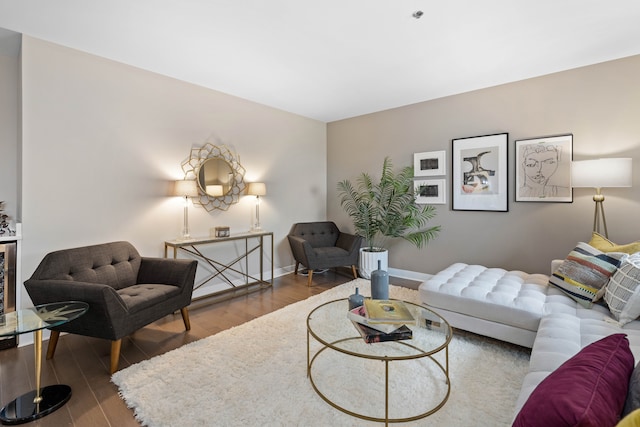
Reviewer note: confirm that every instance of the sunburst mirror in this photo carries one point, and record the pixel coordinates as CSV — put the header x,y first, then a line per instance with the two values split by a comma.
x,y
219,175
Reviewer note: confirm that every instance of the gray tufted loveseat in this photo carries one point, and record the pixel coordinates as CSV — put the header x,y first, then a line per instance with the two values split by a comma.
x,y
124,290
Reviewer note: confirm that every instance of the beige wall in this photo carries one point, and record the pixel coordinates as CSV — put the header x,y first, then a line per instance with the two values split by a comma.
x,y
101,141
599,105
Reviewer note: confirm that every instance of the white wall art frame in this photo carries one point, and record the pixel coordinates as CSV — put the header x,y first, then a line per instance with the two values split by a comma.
x,y
430,191
429,163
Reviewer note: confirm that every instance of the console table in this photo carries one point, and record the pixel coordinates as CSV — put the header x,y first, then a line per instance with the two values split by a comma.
x,y
253,242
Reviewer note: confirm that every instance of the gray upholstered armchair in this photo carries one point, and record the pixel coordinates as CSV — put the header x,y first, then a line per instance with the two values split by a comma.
x,y
124,290
318,245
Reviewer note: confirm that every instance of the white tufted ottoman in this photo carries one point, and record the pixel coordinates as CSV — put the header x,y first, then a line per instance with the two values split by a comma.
x,y
506,305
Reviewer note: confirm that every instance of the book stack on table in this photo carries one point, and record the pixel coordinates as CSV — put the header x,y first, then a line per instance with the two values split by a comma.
x,y
382,320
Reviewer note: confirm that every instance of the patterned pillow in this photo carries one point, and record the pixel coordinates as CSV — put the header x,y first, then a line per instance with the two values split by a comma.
x,y
603,244
585,272
622,294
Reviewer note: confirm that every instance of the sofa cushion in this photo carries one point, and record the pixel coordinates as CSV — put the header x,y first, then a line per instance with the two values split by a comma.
x,y
115,264
585,272
139,297
603,244
622,294
511,298
587,390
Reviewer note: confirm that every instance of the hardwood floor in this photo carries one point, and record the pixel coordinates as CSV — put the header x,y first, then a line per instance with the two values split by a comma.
x,y
82,362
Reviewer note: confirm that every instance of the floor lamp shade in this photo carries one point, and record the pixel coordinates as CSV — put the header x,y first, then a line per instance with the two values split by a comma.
x,y
602,173
599,174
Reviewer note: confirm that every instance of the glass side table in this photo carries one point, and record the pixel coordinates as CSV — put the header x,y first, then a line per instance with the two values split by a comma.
x,y
41,401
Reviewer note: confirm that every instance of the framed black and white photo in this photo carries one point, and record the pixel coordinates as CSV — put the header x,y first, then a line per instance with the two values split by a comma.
x,y
480,173
429,163
543,169
430,191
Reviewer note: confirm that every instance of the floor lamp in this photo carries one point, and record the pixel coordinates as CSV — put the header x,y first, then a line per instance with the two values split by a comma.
x,y
185,188
257,189
598,174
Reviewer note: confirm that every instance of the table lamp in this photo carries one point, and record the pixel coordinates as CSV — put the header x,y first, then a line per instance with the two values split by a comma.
x,y
257,189
598,174
185,188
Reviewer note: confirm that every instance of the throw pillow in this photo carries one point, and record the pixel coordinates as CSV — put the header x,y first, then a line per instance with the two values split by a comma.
x,y
585,272
622,294
631,420
587,390
600,242
633,394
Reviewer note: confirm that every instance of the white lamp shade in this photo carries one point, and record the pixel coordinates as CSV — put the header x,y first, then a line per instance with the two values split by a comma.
x,y
185,188
215,190
256,189
602,173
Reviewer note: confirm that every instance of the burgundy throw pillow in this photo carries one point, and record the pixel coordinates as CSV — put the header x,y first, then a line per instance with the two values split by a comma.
x,y
588,390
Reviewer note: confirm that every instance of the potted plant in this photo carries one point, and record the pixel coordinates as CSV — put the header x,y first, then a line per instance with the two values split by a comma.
x,y
384,210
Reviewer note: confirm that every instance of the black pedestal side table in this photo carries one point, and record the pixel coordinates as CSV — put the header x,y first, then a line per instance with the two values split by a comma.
x,y
43,400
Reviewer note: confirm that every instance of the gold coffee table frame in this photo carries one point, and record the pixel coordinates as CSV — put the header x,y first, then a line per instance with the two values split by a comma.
x,y
428,321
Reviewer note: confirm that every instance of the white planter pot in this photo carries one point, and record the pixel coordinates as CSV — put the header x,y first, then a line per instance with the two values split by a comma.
x,y
369,262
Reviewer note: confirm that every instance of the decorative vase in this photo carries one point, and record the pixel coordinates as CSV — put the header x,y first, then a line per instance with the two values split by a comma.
x,y
379,283
355,300
368,261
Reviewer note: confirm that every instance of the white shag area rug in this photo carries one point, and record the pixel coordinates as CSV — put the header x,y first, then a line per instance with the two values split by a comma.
x,y
255,375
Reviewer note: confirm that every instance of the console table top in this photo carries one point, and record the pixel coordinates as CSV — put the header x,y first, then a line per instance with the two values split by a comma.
x,y
176,243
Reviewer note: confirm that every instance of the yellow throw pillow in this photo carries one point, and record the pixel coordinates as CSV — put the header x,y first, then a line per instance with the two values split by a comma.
x,y
631,420
600,242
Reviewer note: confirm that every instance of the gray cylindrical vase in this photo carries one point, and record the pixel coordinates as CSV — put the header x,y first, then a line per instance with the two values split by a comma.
x,y
379,283
355,300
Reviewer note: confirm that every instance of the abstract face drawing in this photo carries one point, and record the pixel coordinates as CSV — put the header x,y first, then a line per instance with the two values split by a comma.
x,y
540,163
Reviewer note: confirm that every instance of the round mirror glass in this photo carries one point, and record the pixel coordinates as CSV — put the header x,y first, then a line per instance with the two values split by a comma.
x,y
215,177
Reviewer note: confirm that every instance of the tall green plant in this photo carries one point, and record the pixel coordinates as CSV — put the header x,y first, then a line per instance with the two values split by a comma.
x,y
387,209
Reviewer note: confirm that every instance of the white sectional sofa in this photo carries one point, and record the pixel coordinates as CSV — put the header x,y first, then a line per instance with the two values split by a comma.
x,y
524,309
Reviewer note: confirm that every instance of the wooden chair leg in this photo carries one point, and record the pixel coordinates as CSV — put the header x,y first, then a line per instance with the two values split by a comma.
x,y
355,272
295,272
310,272
115,355
185,318
53,342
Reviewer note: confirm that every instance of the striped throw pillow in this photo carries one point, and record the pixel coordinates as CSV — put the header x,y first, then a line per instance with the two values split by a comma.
x,y
623,291
585,272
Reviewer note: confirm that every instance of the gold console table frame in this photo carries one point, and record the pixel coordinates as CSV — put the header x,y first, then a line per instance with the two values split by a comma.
x,y
253,241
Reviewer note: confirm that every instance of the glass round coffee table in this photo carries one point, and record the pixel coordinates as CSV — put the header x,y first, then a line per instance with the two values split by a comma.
x,y
345,371
41,401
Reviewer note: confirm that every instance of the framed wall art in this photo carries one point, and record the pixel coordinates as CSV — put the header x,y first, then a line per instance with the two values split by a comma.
x,y
543,169
429,163
480,173
430,191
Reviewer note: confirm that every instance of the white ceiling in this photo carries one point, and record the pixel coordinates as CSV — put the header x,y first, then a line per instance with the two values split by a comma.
x,y
334,59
